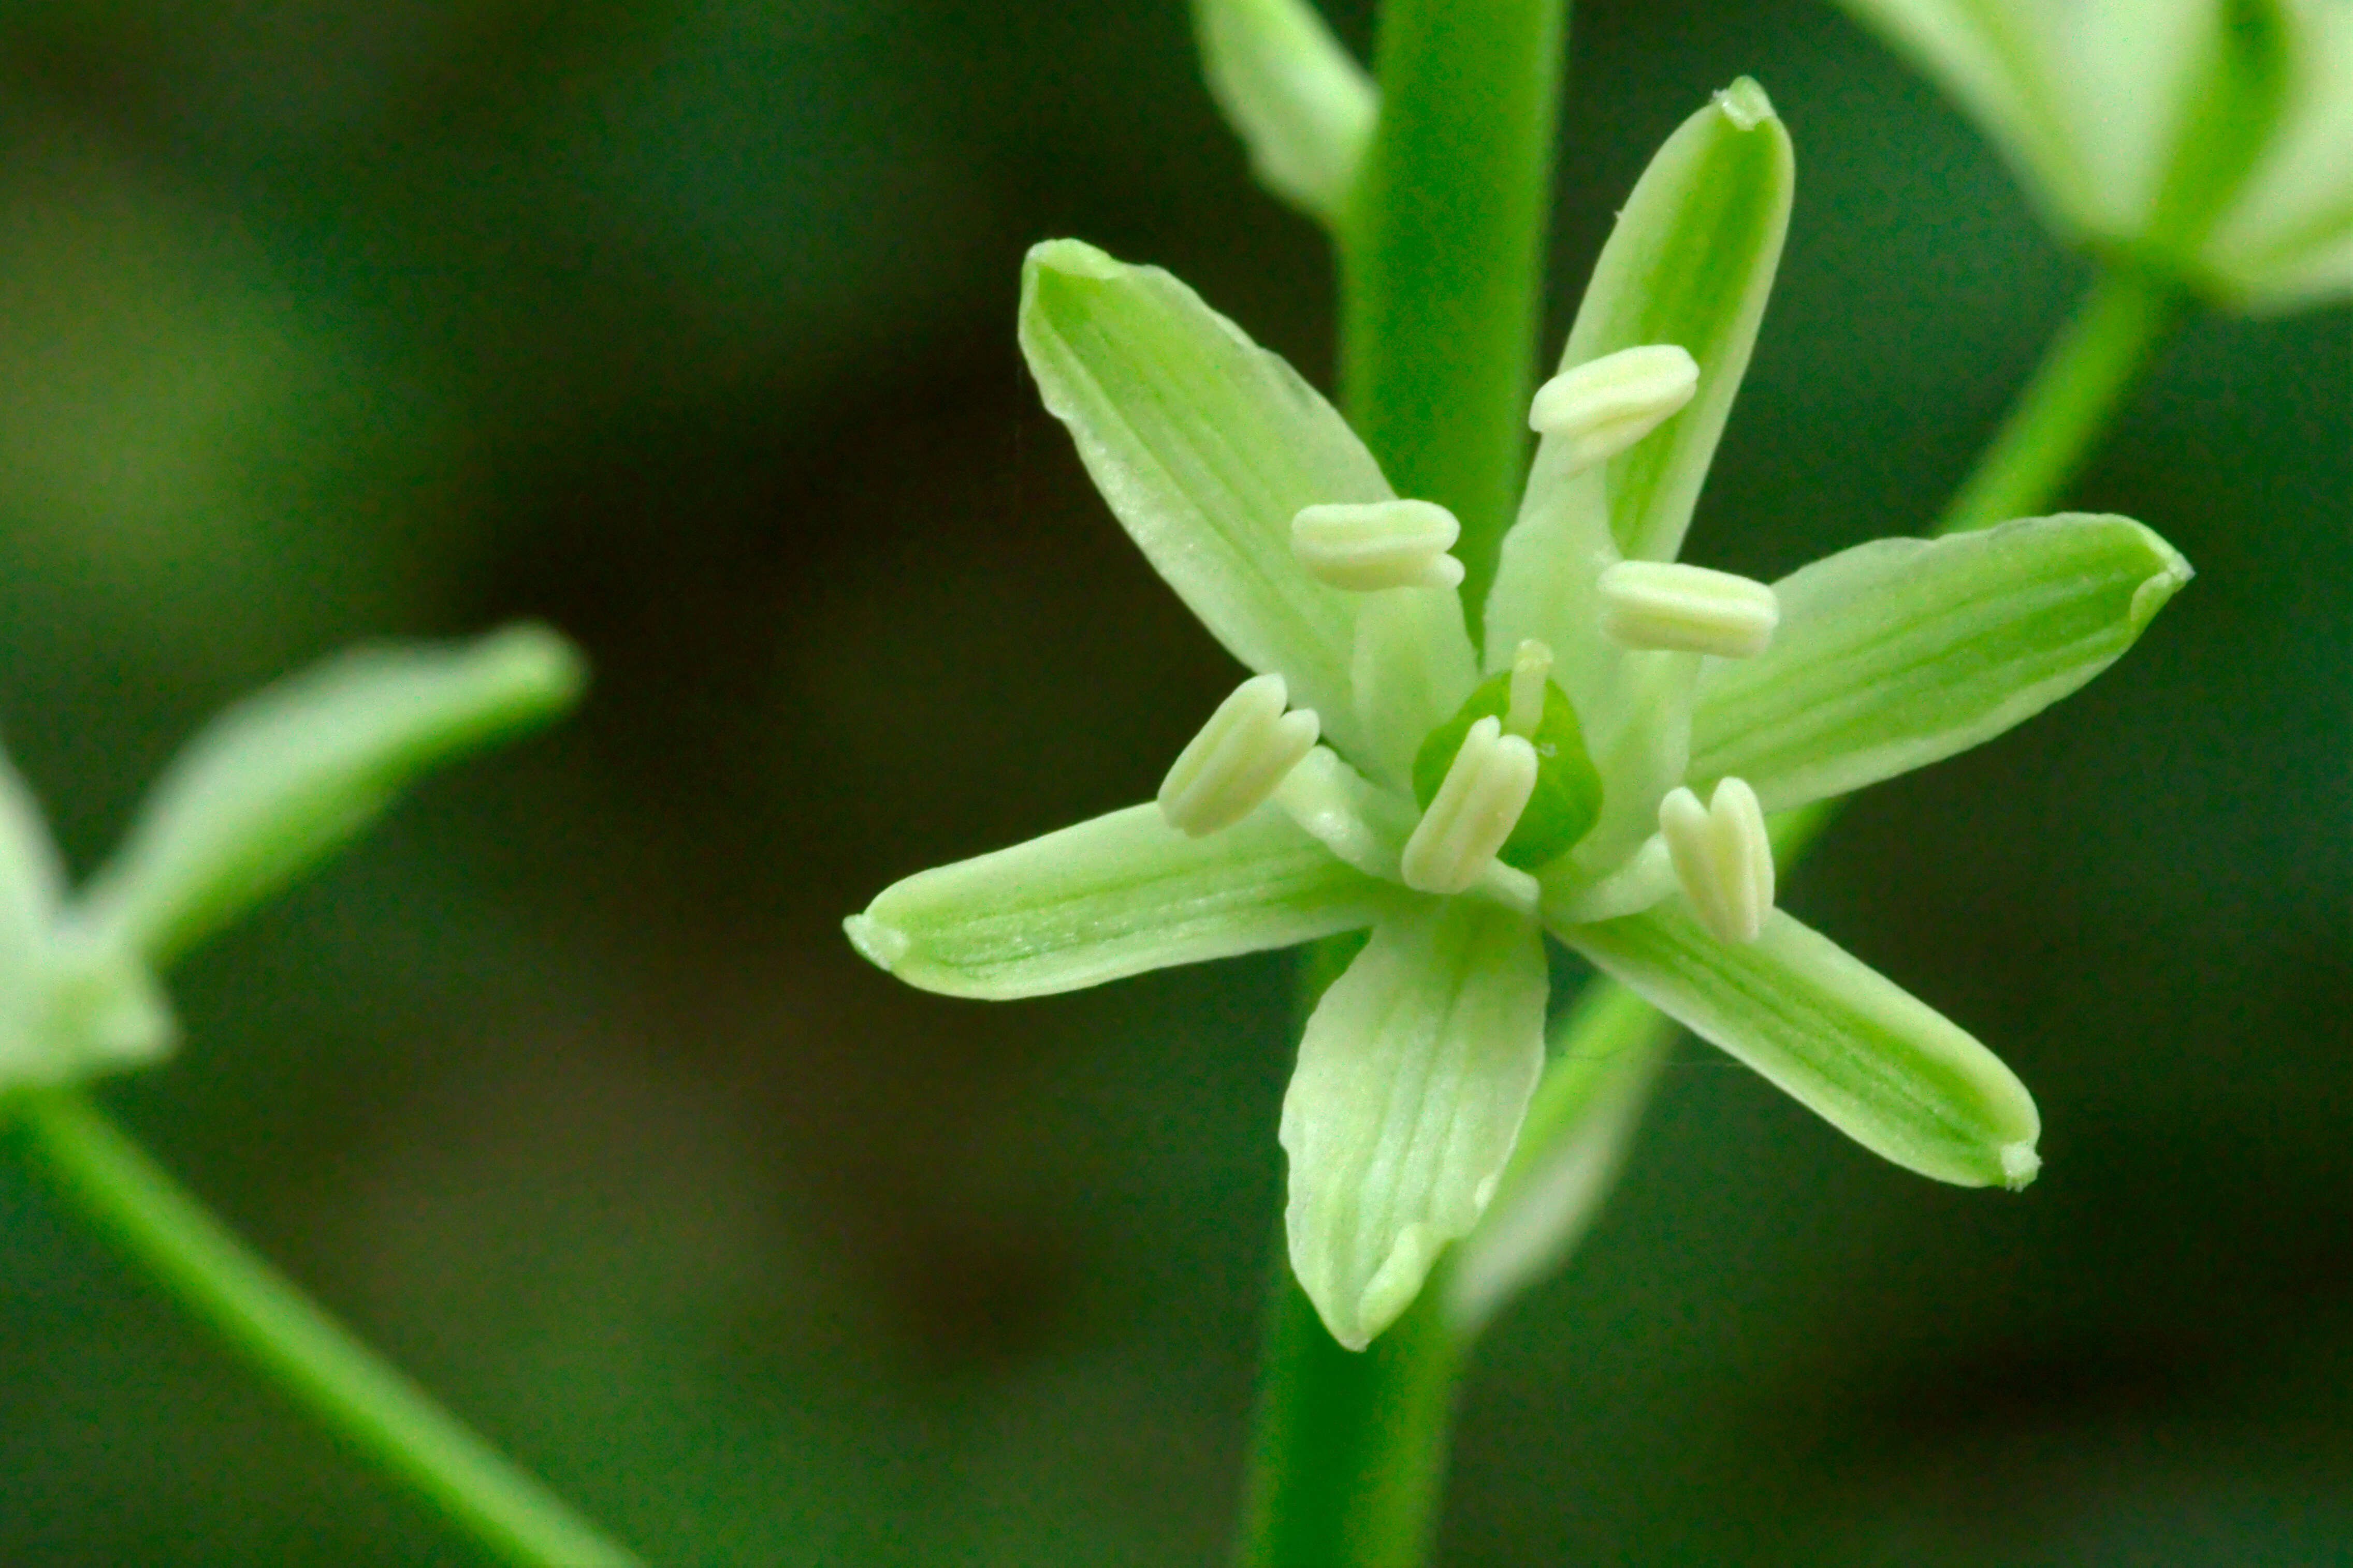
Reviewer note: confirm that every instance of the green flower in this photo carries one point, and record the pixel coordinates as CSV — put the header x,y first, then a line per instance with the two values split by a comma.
x,y
2212,138
1600,773
277,782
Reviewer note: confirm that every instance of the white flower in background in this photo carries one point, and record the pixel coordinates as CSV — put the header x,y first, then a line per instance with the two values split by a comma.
x,y
2210,140
277,782
1600,773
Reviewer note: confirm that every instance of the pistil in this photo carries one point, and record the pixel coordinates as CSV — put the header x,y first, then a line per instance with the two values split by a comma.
x,y
1530,667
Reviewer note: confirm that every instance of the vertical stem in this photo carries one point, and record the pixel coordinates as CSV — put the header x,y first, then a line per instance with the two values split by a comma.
x,y
2075,392
386,1416
1441,262
1441,258
1349,1457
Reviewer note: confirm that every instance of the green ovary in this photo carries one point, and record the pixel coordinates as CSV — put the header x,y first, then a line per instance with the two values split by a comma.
x,y
1567,797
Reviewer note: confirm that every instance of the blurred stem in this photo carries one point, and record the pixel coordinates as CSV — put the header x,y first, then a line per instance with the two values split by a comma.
x,y
1441,274
1349,1457
393,1422
2057,420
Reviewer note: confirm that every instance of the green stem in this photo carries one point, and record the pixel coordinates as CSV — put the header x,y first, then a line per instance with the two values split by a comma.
x,y
2075,392
388,1417
1441,258
1441,265
1349,1457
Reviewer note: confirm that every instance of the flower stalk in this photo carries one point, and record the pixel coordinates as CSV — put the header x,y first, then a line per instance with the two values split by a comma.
x,y
1443,243
393,1422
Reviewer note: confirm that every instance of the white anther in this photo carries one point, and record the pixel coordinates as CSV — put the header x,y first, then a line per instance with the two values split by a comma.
x,y
1722,858
1666,605
1530,667
1238,760
1473,812
1379,544
1605,405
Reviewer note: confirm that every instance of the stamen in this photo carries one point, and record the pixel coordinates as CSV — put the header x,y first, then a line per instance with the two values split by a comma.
x,y
1238,760
1605,405
1475,809
1722,858
1379,544
1666,605
1530,667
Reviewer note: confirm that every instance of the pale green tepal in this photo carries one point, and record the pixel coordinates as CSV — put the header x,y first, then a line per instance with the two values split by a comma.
x,y
2210,139
1604,783
277,782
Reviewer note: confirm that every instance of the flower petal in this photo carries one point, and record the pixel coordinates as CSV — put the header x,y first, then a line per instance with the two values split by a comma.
x,y
1414,1072
288,774
1845,1041
2005,72
1114,896
1301,103
1900,652
32,882
1689,264
2288,238
1206,446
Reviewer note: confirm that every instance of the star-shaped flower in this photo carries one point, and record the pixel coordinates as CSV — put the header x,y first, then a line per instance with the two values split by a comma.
x,y
2211,138
1600,773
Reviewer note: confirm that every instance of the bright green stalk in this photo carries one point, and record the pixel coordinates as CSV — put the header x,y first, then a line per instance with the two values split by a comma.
x,y
1349,1458
1441,258
388,1417
1441,263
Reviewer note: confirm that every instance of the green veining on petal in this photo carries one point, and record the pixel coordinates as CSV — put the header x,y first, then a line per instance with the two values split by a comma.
x,y
1112,897
1903,651
1877,1063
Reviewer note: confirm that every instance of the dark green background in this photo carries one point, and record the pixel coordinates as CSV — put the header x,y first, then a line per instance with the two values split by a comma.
x,y
689,328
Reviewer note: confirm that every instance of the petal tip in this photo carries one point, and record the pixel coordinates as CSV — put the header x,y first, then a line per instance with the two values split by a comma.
x,y
538,657
1075,258
2161,585
1745,104
2020,1164
884,946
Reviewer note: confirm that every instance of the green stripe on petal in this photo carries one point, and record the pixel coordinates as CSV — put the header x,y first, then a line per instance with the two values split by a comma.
x,y
1897,653
1414,1073
1112,897
287,775
1206,446
1840,1038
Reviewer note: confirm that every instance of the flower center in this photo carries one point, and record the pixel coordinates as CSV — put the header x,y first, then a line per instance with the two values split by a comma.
x,y
1564,799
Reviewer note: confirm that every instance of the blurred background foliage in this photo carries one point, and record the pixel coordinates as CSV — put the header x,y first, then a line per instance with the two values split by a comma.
x,y
688,326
